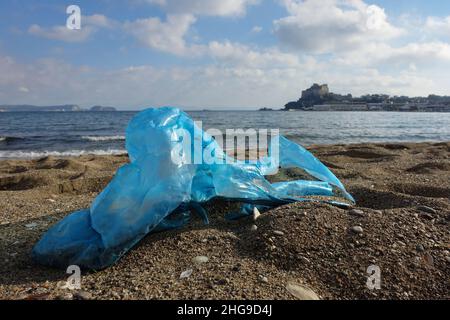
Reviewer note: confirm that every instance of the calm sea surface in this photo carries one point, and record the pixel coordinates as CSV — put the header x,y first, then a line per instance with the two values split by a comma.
x,y
25,135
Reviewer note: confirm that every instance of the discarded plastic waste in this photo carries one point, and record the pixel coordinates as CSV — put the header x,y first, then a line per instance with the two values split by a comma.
x,y
153,193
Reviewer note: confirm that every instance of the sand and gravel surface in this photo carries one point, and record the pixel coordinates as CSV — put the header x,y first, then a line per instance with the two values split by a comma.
x,y
400,226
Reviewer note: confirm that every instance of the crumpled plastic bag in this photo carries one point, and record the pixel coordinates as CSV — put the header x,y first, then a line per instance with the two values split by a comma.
x,y
154,193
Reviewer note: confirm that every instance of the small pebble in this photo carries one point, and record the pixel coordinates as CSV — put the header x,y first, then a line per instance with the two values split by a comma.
x,y
304,259
82,295
236,268
253,228
67,296
278,233
426,216
200,259
357,229
357,212
429,259
222,282
232,236
420,248
263,278
426,209
186,274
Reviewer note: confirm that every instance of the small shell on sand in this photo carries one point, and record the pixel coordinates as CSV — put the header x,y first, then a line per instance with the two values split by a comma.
x,y
186,274
301,292
31,225
256,214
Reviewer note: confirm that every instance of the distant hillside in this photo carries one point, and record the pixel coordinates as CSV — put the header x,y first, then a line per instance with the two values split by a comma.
x,y
100,108
62,108
30,108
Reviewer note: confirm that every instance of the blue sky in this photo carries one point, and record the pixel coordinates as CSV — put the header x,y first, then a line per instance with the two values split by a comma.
x,y
220,53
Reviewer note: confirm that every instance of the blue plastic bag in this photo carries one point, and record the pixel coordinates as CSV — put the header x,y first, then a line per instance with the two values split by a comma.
x,y
153,192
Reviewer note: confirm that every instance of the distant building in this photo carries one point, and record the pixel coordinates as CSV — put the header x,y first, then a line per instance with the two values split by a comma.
x,y
340,107
375,106
405,107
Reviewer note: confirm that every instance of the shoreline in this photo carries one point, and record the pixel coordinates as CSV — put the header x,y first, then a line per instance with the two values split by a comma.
x,y
403,198
75,153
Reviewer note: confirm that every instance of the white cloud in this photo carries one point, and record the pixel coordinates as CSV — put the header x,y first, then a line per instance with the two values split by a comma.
x,y
438,26
89,25
324,26
55,82
167,36
229,83
238,54
61,33
206,7
423,54
257,29
428,53
99,20
364,56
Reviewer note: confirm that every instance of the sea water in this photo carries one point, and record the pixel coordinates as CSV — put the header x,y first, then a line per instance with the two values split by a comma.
x,y
37,134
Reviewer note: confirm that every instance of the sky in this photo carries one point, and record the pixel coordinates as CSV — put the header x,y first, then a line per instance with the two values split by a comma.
x,y
220,54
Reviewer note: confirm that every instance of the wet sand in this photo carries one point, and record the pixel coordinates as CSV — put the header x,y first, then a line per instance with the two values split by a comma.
x,y
403,197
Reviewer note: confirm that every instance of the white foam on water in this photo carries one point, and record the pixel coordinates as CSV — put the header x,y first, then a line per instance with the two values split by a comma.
x,y
19,154
103,138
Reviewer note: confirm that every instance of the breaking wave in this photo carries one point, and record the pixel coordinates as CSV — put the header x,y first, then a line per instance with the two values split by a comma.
x,y
71,153
103,138
9,139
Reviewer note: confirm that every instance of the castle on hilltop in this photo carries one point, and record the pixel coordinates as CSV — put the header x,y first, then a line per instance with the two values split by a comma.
x,y
316,90
318,95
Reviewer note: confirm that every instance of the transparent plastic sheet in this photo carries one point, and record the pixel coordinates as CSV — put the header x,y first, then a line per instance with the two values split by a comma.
x,y
154,193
